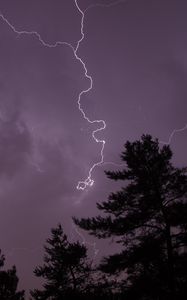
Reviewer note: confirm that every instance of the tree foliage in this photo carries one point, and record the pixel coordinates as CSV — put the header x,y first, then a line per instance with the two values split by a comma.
x,y
68,274
9,282
65,270
149,218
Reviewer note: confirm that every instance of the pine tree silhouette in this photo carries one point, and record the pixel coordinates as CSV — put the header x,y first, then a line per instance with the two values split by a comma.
x,y
65,270
9,282
149,218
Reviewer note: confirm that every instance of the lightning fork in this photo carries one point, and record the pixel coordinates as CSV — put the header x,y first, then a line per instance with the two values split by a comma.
x,y
173,133
88,181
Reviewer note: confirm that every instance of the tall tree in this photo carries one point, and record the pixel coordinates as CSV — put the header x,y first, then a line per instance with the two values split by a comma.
x,y
9,282
65,270
149,218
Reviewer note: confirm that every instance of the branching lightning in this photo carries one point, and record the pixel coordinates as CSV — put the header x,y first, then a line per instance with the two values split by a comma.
x,y
104,5
82,185
172,135
84,242
88,181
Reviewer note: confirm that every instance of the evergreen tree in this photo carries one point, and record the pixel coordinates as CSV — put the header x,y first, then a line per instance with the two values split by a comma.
x,y
65,270
8,283
149,218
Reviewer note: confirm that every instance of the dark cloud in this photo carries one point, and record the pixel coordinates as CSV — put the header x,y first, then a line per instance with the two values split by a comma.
x,y
136,54
15,144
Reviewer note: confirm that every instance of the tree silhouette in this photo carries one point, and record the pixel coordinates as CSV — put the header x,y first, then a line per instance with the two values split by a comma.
x,y
8,283
65,270
149,218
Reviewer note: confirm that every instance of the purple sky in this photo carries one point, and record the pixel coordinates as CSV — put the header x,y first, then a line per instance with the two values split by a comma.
x,y
136,53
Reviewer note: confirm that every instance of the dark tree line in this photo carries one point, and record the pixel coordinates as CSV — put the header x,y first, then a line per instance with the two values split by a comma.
x,y
9,282
147,217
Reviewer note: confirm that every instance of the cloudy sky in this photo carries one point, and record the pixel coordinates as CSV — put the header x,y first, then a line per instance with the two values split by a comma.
x,y
136,53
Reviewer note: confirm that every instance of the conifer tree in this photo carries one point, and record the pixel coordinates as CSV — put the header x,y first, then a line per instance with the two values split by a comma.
x,y
65,270
148,216
9,282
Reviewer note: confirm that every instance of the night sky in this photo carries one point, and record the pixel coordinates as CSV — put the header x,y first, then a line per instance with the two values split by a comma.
x,y
136,53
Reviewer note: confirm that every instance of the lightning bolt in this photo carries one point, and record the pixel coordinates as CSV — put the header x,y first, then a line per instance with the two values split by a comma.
x,y
88,181
105,5
84,242
175,131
